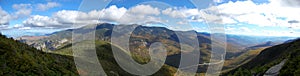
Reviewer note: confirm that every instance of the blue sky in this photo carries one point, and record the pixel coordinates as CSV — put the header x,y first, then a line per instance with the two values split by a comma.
x,y
243,17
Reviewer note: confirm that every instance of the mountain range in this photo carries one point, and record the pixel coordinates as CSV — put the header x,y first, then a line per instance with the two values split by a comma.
x,y
235,43
240,49
17,58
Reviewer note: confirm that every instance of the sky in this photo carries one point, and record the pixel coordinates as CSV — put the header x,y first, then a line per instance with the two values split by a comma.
x,y
241,17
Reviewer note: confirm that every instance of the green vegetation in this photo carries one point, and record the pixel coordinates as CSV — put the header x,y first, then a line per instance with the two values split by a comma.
x,y
20,59
270,57
108,62
139,43
241,59
292,66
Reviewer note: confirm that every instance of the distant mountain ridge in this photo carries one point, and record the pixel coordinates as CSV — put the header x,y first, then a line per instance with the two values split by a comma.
x,y
143,36
291,40
103,32
267,44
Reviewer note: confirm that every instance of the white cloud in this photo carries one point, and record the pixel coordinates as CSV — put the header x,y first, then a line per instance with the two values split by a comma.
x,y
275,13
136,15
3,27
196,15
144,10
266,14
287,3
129,18
190,12
182,12
182,22
20,26
218,1
25,28
113,13
230,29
49,5
21,6
4,17
23,10
140,14
245,29
173,13
17,26
40,21
110,14
228,20
66,18
255,19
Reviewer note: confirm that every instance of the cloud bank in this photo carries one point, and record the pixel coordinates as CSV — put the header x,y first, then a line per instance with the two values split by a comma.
x,y
276,13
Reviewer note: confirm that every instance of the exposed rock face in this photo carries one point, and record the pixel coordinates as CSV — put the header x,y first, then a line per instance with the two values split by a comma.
x,y
274,71
42,43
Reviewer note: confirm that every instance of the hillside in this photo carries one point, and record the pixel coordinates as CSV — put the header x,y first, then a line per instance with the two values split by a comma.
x,y
143,36
140,40
20,59
271,57
110,66
233,63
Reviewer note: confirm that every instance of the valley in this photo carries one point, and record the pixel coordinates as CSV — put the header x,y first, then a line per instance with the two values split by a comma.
x,y
240,49
149,38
